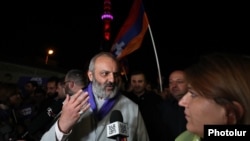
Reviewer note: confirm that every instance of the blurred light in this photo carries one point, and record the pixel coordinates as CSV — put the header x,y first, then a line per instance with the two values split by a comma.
x,y
107,16
50,51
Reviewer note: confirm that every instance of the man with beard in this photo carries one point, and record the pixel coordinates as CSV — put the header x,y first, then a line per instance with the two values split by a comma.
x,y
51,87
74,81
86,114
47,112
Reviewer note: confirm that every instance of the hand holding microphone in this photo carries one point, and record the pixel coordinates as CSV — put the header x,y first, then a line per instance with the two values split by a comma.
x,y
117,129
72,108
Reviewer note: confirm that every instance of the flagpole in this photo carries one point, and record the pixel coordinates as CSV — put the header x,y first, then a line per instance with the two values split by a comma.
x,y
156,57
125,72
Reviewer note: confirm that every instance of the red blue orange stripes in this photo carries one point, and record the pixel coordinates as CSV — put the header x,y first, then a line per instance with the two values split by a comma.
x,y
132,32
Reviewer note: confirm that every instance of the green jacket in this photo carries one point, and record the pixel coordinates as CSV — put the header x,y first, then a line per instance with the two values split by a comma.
x,y
187,136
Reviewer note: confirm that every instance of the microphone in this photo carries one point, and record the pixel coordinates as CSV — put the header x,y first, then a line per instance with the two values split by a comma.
x,y
117,129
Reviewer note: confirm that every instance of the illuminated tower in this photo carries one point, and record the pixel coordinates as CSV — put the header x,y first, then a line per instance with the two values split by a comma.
x,y
107,17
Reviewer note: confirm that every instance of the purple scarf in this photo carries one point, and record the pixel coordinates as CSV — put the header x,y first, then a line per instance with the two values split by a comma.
x,y
106,107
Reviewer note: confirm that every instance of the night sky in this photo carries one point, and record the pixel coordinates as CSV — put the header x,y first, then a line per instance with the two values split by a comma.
x,y
181,33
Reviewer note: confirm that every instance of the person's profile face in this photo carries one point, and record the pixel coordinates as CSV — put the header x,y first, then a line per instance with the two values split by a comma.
x,y
200,111
61,91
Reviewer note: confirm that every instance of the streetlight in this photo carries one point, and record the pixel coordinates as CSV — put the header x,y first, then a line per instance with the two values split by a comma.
x,y
50,52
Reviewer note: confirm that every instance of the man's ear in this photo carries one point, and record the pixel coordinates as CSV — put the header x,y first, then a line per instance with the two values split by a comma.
x,y
234,116
90,75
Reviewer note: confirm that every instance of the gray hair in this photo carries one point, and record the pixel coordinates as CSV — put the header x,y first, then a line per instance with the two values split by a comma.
x,y
107,54
77,76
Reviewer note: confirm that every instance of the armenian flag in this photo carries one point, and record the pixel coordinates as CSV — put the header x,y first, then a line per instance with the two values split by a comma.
x,y
132,32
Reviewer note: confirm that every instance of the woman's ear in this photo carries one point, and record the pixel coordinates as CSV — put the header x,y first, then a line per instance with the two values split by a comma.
x,y
239,108
234,116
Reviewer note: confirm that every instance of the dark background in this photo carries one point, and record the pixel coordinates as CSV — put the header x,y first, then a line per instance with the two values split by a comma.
x,y
181,32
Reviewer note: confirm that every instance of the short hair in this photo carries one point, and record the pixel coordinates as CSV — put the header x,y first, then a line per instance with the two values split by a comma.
x,y
137,72
53,79
33,83
61,81
93,60
77,76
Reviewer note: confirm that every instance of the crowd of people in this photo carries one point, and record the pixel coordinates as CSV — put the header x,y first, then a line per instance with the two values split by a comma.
x,y
78,107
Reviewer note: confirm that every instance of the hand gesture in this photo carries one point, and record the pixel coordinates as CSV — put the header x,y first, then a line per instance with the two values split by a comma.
x,y
72,109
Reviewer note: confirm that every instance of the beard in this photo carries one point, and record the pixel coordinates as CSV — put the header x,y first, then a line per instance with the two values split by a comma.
x,y
100,89
52,95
